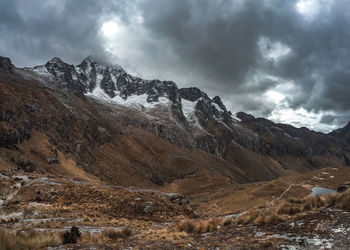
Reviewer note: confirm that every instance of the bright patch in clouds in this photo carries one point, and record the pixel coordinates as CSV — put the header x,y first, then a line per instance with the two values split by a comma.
x,y
110,29
273,51
278,94
309,9
121,40
274,96
301,118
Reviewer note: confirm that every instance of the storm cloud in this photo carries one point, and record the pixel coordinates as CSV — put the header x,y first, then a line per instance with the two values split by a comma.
x,y
285,60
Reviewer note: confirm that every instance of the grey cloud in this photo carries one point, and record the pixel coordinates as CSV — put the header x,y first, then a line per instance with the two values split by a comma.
x,y
223,47
209,44
327,119
37,31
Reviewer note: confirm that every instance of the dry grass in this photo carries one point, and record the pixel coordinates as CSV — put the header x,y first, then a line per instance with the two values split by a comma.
x,y
248,217
274,218
29,240
261,217
107,236
293,208
114,234
289,209
197,226
337,200
344,202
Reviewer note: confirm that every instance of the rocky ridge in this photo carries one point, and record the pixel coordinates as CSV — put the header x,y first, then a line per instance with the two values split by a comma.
x,y
191,107
114,84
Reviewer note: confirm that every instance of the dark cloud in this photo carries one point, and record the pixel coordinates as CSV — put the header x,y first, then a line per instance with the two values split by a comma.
x,y
327,119
219,41
35,31
238,49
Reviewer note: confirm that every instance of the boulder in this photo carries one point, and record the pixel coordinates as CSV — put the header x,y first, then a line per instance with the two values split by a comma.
x,y
343,188
53,160
5,65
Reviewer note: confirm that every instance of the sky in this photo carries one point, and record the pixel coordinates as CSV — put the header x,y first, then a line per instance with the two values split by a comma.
x,y
288,61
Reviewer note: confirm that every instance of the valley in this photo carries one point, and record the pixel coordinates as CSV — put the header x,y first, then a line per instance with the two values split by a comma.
x,y
35,204
136,163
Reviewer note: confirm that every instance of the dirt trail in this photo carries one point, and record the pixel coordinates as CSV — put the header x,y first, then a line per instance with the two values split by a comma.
x,y
270,203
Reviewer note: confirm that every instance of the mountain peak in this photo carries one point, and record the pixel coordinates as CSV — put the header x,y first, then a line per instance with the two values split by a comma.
x,y
91,59
218,101
97,61
56,60
244,116
192,94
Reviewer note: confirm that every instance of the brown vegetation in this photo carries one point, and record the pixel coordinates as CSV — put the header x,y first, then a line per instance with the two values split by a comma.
x,y
29,240
114,234
292,208
197,226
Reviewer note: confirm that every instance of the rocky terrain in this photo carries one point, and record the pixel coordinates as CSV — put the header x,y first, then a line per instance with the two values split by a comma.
x,y
91,146
116,217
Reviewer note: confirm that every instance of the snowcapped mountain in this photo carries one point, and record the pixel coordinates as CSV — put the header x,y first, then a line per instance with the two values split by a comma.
x,y
102,104
110,83
196,119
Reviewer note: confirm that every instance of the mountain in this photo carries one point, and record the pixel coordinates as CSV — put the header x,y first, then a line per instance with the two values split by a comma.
x,y
111,83
115,156
95,120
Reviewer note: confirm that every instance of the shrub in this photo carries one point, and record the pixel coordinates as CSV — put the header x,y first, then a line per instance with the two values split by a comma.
x,y
289,209
26,166
71,237
247,218
345,202
211,226
274,218
260,220
331,200
185,226
227,222
200,226
295,201
307,206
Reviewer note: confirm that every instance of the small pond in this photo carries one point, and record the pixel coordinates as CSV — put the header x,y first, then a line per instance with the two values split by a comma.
x,y
321,191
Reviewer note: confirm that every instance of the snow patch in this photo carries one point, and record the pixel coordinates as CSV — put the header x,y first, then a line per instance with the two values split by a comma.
x,y
225,125
189,111
137,101
339,230
235,117
218,107
41,70
99,78
299,240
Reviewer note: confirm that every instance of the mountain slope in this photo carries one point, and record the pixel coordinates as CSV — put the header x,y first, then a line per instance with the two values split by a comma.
x,y
96,122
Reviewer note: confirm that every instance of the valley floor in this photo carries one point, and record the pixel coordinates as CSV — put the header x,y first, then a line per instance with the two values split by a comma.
x,y
35,211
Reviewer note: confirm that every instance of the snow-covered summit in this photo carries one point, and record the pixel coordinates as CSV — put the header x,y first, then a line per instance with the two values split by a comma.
x,y
111,83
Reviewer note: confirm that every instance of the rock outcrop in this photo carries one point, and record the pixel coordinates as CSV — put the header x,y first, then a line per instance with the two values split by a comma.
x,y
6,66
